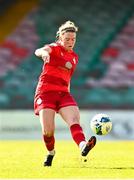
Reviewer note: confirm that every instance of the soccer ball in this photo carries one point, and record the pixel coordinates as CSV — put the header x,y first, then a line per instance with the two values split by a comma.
x,y
101,124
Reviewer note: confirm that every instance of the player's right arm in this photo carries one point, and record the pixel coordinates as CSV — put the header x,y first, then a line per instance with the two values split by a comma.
x,y
44,53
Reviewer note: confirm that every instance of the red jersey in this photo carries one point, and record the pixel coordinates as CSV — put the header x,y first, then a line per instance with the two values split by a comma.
x,y
55,76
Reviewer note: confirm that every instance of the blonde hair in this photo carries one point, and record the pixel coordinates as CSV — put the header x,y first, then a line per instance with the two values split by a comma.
x,y
68,26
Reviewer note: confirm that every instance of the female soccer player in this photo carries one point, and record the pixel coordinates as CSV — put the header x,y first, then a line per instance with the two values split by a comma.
x,y
53,91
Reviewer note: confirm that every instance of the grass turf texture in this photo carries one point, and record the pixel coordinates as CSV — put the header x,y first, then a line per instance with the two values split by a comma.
x,y
109,159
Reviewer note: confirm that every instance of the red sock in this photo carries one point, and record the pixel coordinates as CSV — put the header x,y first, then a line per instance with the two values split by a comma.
x,y
49,142
77,133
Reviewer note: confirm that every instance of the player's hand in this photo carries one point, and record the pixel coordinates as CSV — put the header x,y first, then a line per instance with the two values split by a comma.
x,y
45,56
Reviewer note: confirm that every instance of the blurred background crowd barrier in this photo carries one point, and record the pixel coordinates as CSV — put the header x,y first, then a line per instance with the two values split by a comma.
x,y
104,78
23,124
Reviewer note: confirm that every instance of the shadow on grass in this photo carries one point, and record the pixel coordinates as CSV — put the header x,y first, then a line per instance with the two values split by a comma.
x,y
84,166
113,167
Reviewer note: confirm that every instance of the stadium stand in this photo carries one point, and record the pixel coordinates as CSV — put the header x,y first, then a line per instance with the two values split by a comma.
x,y
18,46
105,47
119,56
5,4
11,13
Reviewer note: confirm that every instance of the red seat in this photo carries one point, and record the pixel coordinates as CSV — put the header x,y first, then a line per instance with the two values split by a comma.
x,y
130,67
112,52
21,52
8,44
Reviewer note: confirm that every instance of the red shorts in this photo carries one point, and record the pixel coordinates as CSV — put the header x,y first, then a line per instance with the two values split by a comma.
x,y
54,100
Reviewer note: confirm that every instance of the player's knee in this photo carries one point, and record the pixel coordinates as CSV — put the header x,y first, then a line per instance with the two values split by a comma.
x,y
74,120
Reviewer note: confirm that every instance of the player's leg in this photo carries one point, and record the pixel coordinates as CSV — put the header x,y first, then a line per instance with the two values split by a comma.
x,y
48,126
72,117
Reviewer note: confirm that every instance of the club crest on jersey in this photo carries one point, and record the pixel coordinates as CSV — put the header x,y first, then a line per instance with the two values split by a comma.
x,y
68,65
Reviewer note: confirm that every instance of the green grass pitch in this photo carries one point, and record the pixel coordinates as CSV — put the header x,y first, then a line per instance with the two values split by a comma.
x,y
109,159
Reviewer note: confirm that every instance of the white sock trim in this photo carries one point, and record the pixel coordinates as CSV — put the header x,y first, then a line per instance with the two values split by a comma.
x,y
82,145
51,152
